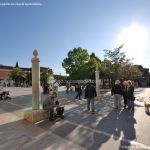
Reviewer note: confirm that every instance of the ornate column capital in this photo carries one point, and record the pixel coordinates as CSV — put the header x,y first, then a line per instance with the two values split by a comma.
x,y
35,53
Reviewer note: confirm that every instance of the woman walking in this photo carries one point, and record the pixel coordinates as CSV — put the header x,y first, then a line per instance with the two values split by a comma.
x,y
130,95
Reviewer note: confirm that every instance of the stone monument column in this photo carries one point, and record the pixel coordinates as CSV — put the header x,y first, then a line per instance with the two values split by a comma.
x,y
35,114
35,81
97,82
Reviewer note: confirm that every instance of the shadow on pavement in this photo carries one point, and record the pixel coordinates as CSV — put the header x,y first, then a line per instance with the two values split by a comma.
x,y
23,135
92,131
87,130
16,103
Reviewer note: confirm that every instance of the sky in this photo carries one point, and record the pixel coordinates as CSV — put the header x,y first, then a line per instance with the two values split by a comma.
x,y
54,27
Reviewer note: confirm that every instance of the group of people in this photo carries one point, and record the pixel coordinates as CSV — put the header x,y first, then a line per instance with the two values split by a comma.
x,y
126,90
118,91
24,85
77,86
89,94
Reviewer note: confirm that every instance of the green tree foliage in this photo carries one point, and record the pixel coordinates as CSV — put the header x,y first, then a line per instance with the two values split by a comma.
x,y
44,77
16,75
121,67
75,62
131,72
117,58
90,67
106,68
80,65
29,77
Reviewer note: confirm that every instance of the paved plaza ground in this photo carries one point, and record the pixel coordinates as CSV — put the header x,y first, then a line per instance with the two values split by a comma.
x,y
107,129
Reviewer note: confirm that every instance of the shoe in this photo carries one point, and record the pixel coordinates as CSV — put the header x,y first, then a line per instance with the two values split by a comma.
x,y
92,112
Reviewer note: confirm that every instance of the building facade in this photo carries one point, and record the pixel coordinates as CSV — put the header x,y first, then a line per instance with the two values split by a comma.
x,y
145,81
6,70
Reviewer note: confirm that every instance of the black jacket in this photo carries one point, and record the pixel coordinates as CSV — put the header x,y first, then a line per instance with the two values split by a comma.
x,y
90,91
117,89
130,92
124,91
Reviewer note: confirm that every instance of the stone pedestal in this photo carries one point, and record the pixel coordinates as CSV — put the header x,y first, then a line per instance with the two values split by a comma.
x,y
34,116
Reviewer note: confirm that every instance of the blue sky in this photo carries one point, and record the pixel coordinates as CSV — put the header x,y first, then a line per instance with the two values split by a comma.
x,y
60,25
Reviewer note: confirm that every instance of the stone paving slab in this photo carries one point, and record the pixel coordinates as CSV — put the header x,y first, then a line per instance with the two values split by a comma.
x,y
106,129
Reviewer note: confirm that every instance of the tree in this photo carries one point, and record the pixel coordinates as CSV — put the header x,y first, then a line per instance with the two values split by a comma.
x,y
29,77
117,59
90,67
16,75
45,77
131,72
80,65
121,67
106,68
75,63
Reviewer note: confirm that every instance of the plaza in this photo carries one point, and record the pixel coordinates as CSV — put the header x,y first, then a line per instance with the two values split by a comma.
x,y
97,51
106,129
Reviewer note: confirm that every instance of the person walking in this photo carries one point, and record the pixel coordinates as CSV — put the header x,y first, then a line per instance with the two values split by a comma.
x,y
79,92
67,87
90,93
117,94
124,92
130,95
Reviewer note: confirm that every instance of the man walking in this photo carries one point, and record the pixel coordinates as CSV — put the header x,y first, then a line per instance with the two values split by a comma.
x,y
90,93
117,93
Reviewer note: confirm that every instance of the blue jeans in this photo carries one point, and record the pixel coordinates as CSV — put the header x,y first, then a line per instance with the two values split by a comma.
x,y
130,104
